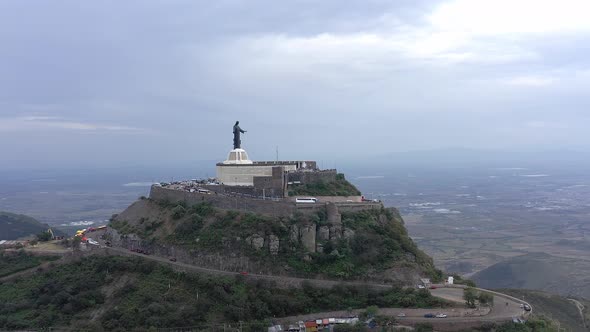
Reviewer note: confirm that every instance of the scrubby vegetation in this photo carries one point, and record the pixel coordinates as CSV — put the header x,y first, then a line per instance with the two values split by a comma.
x,y
471,296
12,262
558,307
338,187
378,240
44,236
458,280
123,294
534,324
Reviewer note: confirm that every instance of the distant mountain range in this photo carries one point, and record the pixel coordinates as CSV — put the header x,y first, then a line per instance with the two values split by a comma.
x,y
15,226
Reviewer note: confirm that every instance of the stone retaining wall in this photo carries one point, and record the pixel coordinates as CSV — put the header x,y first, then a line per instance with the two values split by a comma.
x,y
228,202
244,203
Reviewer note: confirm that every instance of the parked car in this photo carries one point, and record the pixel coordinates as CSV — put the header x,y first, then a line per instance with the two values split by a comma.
x,y
421,286
527,307
432,287
244,273
429,316
173,259
441,316
401,314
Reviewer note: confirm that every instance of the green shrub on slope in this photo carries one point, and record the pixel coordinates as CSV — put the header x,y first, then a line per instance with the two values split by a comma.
x,y
125,293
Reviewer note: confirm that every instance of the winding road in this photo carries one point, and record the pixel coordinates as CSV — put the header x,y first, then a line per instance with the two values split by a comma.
x,y
505,307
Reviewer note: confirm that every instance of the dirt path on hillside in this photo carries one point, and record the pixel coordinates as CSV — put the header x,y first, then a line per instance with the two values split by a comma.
x,y
581,309
41,267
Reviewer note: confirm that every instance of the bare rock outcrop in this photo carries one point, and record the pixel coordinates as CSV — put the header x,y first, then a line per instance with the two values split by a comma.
x,y
319,248
335,232
308,236
348,233
334,216
294,234
323,233
256,241
273,244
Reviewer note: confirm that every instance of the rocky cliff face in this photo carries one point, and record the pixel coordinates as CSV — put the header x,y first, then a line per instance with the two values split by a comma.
x,y
367,244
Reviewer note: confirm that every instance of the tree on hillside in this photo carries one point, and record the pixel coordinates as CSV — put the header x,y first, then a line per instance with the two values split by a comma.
x,y
372,310
76,243
178,212
486,298
44,236
350,328
470,295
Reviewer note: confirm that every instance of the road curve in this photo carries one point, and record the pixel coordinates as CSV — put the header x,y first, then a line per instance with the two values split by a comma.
x,y
282,281
504,309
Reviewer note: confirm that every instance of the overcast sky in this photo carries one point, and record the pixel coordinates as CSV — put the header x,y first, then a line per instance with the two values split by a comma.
x,y
108,82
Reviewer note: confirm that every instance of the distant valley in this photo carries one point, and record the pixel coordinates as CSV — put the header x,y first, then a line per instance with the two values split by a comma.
x,y
470,219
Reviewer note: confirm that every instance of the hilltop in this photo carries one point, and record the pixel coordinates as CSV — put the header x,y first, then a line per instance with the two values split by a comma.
x,y
15,226
369,244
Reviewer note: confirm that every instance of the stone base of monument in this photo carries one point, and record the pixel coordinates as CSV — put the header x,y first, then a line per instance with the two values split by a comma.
x,y
239,170
238,157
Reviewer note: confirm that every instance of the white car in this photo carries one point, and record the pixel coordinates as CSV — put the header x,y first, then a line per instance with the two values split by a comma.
x,y
401,314
441,316
421,286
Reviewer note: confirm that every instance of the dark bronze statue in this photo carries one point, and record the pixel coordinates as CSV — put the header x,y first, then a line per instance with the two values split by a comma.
x,y
237,131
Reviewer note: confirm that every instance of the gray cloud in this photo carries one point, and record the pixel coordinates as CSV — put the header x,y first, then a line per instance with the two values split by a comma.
x,y
319,80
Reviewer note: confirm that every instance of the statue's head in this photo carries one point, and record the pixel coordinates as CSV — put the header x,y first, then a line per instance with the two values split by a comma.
x,y
237,123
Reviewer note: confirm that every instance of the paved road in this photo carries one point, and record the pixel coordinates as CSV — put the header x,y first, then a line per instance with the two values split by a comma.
x,y
500,311
504,309
282,281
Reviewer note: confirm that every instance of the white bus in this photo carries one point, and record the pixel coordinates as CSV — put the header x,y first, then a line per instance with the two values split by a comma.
x,y
306,200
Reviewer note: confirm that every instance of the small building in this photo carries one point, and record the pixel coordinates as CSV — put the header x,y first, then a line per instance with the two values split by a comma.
x,y
311,326
450,280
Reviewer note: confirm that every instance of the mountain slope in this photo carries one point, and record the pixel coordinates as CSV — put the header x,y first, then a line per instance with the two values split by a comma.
x,y
123,294
371,244
539,271
557,307
14,226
